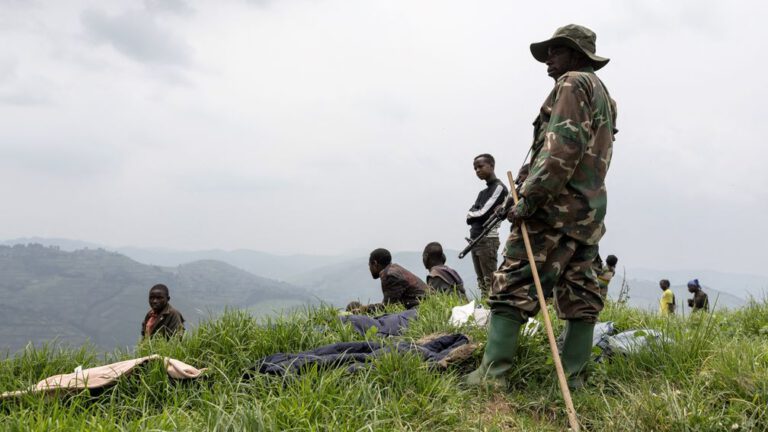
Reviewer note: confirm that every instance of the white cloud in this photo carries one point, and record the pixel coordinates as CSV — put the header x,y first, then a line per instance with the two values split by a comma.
x,y
138,35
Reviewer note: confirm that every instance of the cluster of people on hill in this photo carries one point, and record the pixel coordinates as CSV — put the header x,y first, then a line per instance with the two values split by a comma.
x,y
400,286
668,306
561,211
563,202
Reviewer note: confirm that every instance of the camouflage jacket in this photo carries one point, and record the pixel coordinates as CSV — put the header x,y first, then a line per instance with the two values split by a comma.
x,y
401,286
572,146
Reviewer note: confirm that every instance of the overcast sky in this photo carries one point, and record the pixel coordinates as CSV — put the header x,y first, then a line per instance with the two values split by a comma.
x,y
313,126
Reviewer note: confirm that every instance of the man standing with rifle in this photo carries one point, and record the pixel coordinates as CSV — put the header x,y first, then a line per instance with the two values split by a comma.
x,y
563,205
483,227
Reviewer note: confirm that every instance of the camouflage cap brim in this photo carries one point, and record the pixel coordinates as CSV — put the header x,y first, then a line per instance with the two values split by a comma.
x,y
540,50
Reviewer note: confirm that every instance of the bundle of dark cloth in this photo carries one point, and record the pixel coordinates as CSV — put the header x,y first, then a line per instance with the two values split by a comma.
x,y
386,325
440,350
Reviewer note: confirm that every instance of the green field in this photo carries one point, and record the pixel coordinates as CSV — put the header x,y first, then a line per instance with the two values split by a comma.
x,y
714,376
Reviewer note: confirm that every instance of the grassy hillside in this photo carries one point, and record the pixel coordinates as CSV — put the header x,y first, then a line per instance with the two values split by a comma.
x,y
101,296
714,376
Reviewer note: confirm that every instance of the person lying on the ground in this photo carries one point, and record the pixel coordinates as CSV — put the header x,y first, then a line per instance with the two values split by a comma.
x,y
398,285
441,278
162,318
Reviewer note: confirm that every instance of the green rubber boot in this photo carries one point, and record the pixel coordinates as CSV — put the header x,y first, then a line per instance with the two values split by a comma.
x,y
498,358
577,350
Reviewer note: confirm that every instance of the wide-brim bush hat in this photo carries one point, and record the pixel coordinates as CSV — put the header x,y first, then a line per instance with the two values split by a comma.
x,y
574,36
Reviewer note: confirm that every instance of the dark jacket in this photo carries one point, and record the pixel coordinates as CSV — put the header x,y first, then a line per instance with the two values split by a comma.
x,y
357,355
169,322
487,200
445,279
401,286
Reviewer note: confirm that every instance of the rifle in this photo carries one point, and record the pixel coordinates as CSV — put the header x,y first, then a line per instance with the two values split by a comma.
x,y
488,226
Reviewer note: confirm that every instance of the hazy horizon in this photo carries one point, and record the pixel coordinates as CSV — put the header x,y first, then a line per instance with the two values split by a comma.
x,y
358,253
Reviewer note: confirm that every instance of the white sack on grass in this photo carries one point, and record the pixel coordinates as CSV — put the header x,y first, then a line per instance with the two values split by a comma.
x,y
461,315
634,341
102,376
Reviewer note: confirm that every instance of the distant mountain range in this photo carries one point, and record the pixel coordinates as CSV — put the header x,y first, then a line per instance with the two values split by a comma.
x,y
259,263
334,279
101,296
100,292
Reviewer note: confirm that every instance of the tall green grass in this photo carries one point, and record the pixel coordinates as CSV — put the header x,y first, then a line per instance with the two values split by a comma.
x,y
712,376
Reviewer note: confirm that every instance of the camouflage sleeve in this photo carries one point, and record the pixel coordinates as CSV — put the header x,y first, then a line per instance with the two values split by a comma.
x,y
566,138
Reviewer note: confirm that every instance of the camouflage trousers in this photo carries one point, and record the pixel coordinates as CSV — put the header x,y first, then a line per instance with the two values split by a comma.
x,y
565,269
485,259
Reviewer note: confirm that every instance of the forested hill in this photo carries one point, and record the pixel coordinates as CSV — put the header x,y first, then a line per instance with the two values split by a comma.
x,y
101,296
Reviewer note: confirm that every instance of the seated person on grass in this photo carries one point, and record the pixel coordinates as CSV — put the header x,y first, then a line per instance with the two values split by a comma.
x,y
441,278
398,285
162,318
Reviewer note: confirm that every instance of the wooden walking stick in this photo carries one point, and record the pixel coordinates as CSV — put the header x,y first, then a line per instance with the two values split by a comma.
x,y
547,323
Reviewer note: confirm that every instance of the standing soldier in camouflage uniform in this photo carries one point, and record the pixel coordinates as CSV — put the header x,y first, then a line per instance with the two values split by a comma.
x,y
563,204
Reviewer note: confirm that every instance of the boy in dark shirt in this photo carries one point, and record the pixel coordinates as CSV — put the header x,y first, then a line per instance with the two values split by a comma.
x,y
485,253
162,318
398,285
441,278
